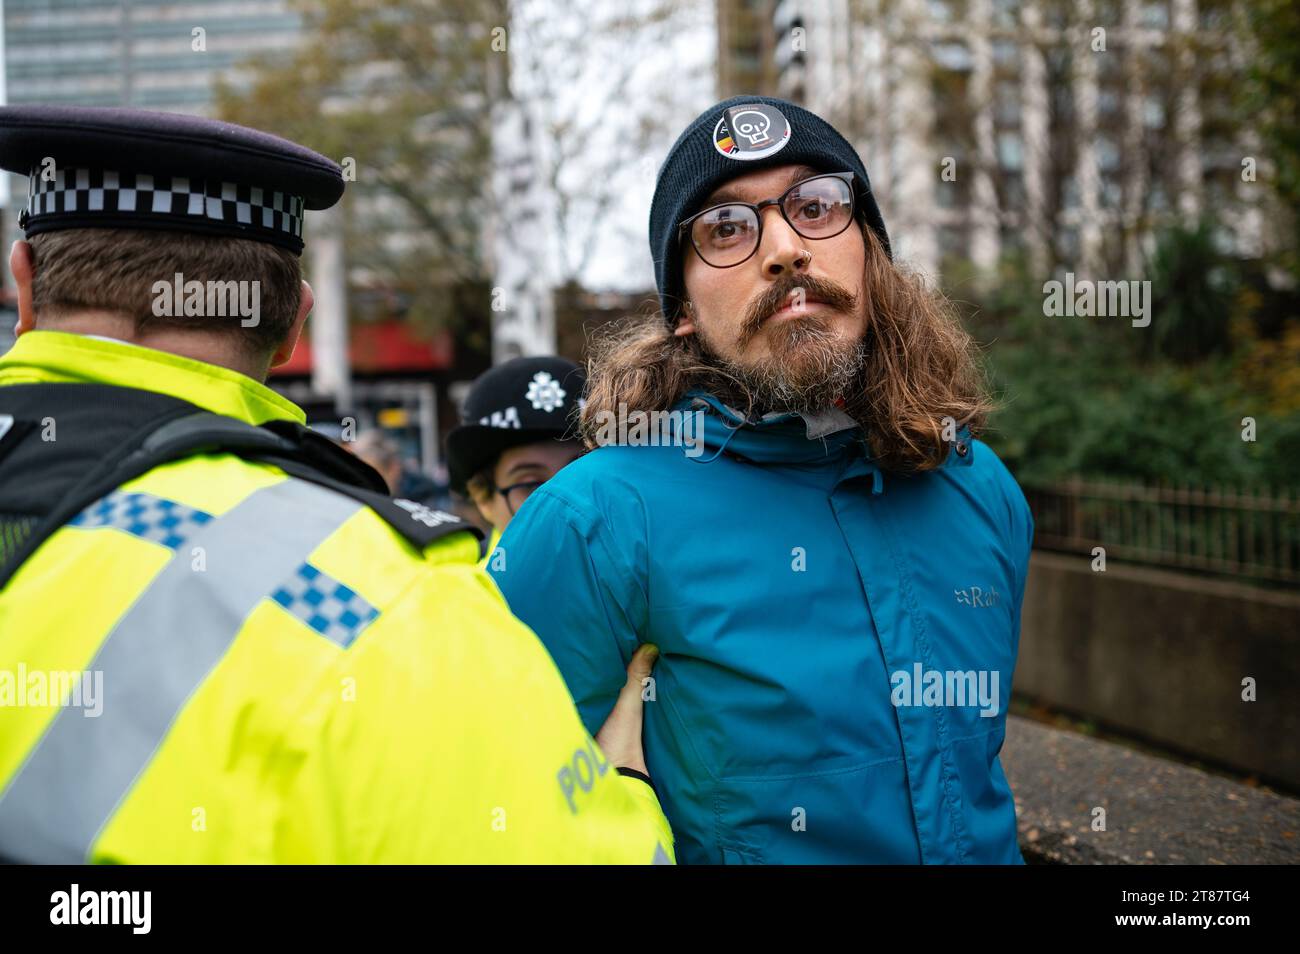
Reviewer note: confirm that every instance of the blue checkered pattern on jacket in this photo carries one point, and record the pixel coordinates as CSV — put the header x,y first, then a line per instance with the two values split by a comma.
x,y
335,611
151,518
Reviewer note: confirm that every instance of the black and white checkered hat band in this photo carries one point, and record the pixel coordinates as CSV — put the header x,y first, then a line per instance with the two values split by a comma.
x,y
85,195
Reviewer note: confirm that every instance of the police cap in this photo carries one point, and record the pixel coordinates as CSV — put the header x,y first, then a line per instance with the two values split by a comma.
x,y
105,167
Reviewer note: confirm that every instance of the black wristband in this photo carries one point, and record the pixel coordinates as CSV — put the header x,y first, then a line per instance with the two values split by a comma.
x,y
633,773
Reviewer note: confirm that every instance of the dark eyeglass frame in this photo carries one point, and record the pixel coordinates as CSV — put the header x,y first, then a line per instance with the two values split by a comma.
x,y
779,202
505,492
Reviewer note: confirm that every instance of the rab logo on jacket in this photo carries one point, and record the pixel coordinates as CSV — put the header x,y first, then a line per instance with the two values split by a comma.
x,y
976,596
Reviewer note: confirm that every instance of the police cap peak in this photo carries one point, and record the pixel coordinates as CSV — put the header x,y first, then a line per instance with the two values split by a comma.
x,y
96,167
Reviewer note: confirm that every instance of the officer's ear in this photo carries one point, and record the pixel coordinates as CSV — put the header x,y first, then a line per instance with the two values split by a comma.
x,y
20,266
685,321
285,351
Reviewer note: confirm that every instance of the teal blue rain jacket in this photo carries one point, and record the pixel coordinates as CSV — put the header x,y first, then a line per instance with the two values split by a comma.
x,y
836,643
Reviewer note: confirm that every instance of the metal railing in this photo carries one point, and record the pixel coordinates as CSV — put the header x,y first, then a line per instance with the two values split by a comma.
x,y
1253,534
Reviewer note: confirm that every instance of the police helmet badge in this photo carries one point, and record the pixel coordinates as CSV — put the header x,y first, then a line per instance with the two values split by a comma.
x,y
544,392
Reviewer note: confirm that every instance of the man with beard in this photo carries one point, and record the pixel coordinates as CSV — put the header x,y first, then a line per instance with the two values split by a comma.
x,y
835,586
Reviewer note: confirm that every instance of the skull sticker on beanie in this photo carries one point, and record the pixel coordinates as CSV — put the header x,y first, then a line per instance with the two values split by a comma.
x,y
751,131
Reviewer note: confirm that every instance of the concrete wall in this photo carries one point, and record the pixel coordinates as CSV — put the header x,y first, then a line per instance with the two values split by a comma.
x,y
1162,656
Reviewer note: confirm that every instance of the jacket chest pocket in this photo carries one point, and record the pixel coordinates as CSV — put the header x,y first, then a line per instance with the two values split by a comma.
x,y
965,654
948,617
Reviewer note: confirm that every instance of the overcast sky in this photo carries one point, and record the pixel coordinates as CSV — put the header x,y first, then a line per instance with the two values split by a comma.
x,y
674,79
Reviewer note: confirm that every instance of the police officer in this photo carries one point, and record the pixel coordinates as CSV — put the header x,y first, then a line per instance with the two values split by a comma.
x,y
220,639
520,429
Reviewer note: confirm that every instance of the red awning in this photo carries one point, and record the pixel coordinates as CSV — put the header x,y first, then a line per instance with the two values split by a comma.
x,y
382,346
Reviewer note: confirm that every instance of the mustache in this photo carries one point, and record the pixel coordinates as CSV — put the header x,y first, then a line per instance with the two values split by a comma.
x,y
774,298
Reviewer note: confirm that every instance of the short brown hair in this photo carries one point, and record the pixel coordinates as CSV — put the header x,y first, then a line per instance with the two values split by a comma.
x,y
116,270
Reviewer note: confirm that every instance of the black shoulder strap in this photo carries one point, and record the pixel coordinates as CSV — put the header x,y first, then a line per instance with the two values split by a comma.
x,y
301,452
64,446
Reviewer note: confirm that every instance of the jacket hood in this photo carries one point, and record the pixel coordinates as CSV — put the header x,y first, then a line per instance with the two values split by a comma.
x,y
778,438
830,439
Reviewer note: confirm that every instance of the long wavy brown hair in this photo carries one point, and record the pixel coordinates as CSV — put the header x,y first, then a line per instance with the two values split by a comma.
x,y
920,368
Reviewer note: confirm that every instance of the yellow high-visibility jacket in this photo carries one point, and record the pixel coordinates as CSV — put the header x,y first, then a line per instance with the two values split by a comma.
x,y
279,675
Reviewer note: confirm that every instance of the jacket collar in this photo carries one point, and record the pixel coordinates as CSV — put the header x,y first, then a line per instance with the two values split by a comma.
x,y
60,357
791,438
778,436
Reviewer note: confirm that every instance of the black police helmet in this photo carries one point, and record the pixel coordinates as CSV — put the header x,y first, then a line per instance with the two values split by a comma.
x,y
519,402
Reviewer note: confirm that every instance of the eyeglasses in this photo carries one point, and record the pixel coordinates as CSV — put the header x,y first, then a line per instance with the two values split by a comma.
x,y
726,235
516,494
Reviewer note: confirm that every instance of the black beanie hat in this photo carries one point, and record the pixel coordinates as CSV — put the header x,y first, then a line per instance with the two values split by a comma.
x,y
519,402
710,152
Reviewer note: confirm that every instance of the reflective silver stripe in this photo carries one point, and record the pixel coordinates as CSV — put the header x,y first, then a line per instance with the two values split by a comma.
x,y
661,856
153,660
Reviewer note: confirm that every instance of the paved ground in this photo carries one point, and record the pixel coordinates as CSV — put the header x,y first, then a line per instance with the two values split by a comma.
x,y
1157,812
